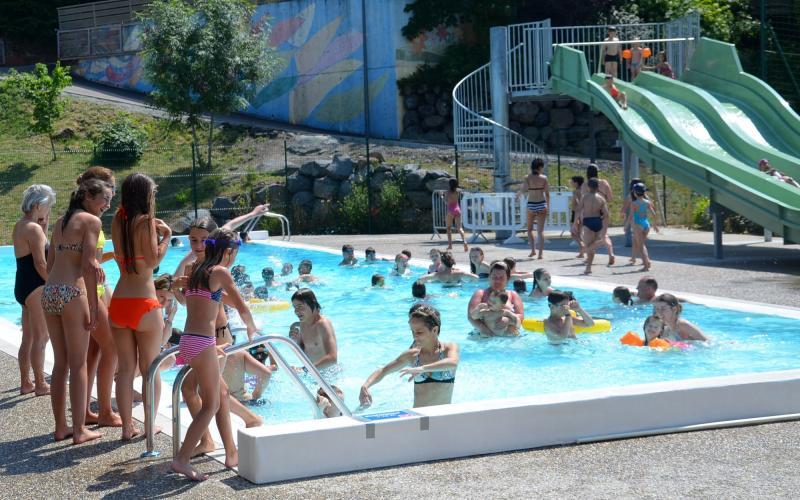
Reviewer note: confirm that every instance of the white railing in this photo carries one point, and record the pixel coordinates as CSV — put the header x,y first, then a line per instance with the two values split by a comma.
x,y
529,65
475,132
482,212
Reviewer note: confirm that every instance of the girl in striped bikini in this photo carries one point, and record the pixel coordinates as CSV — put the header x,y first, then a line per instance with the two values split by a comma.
x,y
537,206
208,280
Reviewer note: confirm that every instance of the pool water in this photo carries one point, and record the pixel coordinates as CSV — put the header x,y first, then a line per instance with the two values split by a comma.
x,y
371,329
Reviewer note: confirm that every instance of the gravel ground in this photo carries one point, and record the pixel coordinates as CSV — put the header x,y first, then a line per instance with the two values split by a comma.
x,y
746,462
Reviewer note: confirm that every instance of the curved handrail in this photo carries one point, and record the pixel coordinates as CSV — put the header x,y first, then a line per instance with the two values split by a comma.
x,y
286,231
267,340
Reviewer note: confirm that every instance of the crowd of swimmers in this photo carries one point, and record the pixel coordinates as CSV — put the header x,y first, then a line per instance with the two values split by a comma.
x,y
114,335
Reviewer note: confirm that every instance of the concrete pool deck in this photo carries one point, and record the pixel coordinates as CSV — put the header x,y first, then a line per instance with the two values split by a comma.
x,y
730,463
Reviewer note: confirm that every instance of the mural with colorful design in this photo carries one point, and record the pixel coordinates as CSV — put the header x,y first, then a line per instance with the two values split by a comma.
x,y
322,80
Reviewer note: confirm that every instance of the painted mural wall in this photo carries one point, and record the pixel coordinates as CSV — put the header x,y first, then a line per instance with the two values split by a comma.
x,y
320,44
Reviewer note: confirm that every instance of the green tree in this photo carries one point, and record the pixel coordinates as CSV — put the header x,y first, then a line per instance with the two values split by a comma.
x,y
41,91
204,57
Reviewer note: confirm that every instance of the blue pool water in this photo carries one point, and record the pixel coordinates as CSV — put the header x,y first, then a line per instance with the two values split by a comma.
x,y
371,329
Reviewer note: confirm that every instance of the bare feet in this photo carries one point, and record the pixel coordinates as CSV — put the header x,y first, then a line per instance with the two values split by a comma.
x,y
85,435
450,247
26,388
137,397
466,247
540,257
91,418
256,421
532,254
232,460
580,256
130,433
203,447
587,271
611,260
42,389
187,470
63,434
644,269
110,420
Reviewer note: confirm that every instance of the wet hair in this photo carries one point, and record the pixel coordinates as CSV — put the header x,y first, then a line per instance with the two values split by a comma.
x,y
217,244
447,259
670,300
649,320
243,236
639,189
418,290
137,199
500,294
511,263
537,275
347,248
174,242
591,170
630,187
305,262
426,313
267,271
453,183
92,187
472,267
650,281
578,179
593,184
537,164
623,294
406,252
377,279
321,391
37,194
401,256
520,286
204,223
163,281
369,250
557,296
499,264
101,173
307,297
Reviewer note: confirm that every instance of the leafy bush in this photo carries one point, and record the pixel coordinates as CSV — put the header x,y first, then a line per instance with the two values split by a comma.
x,y
734,223
354,210
121,141
391,203
701,214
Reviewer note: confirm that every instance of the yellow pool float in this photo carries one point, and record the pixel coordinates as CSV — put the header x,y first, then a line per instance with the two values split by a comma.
x,y
261,305
599,326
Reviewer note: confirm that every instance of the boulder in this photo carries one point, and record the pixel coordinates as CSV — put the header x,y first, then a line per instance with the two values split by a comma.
x,y
426,110
558,139
432,122
377,180
542,119
320,211
410,167
544,133
436,136
577,132
408,218
299,182
448,130
561,118
419,199
430,98
411,133
524,111
275,165
411,102
442,183
415,179
315,168
345,188
277,195
607,139
304,145
181,225
583,118
545,105
563,103
577,107
303,199
531,133
410,118
326,188
222,209
443,107
435,174
341,167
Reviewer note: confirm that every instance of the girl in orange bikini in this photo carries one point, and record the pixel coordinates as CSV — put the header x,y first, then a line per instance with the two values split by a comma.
x,y
140,242
69,300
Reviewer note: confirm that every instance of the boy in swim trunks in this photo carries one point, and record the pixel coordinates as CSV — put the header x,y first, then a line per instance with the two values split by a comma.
x,y
620,97
348,256
400,264
593,212
500,319
560,325
316,336
610,52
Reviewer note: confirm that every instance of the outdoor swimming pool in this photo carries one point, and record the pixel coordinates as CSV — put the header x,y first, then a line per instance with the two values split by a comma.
x,y
371,329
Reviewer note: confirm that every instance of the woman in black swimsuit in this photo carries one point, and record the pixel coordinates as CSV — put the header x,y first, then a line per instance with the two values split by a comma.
x,y
30,242
537,205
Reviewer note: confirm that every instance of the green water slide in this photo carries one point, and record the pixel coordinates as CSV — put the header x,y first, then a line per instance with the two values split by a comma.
x,y
708,137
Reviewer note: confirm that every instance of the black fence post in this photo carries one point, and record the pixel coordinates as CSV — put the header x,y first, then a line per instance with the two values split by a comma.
x,y
194,178
455,149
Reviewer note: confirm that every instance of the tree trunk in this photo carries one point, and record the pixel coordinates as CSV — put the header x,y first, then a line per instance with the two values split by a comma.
x,y
52,146
210,137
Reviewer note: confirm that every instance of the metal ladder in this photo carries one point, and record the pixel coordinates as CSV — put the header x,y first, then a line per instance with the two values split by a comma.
x,y
286,232
268,341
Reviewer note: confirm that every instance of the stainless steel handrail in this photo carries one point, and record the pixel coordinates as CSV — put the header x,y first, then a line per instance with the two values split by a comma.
x,y
149,407
267,340
286,231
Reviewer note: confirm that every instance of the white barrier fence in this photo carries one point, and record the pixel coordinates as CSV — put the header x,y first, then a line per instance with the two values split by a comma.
x,y
504,212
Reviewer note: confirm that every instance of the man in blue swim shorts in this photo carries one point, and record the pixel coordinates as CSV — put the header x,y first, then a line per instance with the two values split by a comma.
x,y
593,212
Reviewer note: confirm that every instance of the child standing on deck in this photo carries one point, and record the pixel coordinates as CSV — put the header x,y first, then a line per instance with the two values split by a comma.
x,y
453,218
641,208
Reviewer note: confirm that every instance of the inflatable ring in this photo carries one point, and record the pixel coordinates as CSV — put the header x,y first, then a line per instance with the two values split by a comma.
x,y
261,305
537,325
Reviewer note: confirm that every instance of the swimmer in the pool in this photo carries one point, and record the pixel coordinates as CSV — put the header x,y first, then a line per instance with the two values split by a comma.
x,y
430,363
541,284
646,290
286,269
500,319
622,295
668,308
653,328
560,325
419,291
348,256
436,260
511,262
304,274
401,265
593,211
370,256
446,274
316,335
476,263
378,281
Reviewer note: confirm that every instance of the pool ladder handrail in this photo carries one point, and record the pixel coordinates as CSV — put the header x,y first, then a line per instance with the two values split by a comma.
x,y
277,356
286,231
